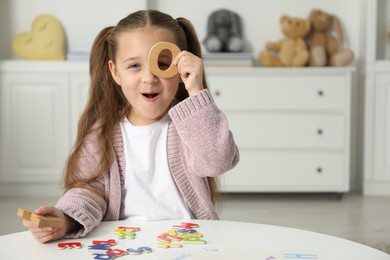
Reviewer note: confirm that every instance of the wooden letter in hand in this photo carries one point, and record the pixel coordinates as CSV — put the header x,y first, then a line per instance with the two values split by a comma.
x,y
40,221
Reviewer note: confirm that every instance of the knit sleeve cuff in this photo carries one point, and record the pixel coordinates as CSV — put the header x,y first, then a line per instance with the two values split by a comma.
x,y
190,105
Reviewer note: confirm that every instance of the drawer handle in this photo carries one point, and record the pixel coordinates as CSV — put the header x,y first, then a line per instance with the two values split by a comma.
x,y
217,93
319,170
321,93
320,131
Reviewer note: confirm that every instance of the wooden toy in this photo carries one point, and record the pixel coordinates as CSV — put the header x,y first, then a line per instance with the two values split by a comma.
x,y
186,225
116,252
191,235
183,231
108,242
69,245
174,237
123,228
193,240
153,59
126,232
189,224
169,245
139,250
169,232
39,220
164,238
99,248
103,256
145,249
132,251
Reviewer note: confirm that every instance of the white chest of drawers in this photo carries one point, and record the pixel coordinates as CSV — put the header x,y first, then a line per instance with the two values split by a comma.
x,y
292,127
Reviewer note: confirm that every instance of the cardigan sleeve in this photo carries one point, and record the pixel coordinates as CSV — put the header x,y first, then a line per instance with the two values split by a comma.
x,y
85,206
204,131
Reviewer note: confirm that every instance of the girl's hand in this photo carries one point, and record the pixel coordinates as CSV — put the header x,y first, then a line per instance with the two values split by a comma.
x,y
190,68
46,234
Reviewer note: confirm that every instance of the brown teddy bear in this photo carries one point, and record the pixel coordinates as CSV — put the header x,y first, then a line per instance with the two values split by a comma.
x,y
324,47
291,51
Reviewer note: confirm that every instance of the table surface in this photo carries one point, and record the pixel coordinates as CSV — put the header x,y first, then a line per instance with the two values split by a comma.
x,y
225,240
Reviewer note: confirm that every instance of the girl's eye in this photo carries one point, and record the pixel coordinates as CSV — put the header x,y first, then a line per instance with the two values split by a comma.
x,y
134,66
163,65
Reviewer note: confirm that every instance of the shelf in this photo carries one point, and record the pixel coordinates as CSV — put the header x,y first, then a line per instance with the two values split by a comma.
x,y
382,65
40,66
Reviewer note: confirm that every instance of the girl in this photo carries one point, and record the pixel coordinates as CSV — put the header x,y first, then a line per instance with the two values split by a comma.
x,y
147,147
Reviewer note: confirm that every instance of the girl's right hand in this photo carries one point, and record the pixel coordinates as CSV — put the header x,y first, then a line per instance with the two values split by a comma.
x,y
46,234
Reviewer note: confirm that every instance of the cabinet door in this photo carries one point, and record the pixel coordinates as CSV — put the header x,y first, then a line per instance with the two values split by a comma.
x,y
382,128
35,123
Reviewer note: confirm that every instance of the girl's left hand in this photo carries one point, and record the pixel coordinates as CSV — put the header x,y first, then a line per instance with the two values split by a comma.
x,y
190,69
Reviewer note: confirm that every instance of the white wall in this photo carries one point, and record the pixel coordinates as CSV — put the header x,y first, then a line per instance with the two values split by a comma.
x,y
81,19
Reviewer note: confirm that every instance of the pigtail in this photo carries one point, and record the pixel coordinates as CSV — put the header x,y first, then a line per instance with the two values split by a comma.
x,y
193,44
106,96
99,52
102,112
99,75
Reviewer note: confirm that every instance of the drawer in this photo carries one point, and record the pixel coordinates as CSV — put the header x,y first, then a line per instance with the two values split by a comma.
x,y
283,92
275,130
287,171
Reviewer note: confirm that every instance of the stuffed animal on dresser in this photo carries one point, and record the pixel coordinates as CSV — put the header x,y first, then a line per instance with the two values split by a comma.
x,y
224,32
325,48
291,50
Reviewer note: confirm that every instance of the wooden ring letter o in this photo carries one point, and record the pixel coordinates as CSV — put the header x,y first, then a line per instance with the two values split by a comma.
x,y
154,53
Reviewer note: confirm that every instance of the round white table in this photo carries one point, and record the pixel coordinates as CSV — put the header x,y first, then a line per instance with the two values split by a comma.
x,y
225,240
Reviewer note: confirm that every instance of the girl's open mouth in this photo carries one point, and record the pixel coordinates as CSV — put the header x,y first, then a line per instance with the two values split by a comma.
x,y
150,95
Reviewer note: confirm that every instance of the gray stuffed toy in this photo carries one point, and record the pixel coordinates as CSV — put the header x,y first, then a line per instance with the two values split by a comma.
x,y
224,32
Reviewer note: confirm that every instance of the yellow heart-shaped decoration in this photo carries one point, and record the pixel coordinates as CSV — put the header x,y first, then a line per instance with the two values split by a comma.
x,y
46,41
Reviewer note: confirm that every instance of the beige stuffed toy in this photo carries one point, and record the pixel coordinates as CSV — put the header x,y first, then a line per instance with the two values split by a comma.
x,y
324,47
291,51
46,40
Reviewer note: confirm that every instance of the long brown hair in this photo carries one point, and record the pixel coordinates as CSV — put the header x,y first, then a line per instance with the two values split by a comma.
x,y
106,104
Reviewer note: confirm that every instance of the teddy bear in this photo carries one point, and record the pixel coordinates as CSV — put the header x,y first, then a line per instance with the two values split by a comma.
x,y
325,49
224,32
290,51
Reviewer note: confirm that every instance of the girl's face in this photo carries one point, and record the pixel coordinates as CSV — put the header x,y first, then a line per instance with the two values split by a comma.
x,y
150,97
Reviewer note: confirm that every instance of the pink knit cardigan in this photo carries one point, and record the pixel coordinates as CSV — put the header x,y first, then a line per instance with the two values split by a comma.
x,y
199,145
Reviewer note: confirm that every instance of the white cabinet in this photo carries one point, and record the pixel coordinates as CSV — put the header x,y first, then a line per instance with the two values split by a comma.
x,y
34,120
292,127
40,103
377,100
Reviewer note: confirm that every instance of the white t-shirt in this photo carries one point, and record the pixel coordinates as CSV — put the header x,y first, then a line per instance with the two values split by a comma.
x,y
150,192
